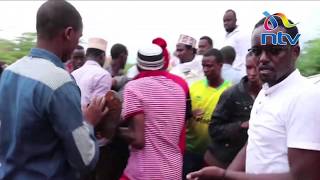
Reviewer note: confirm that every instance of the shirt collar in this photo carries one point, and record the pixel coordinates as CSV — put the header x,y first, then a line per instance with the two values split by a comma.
x,y
228,34
44,54
287,81
143,74
224,83
226,66
92,62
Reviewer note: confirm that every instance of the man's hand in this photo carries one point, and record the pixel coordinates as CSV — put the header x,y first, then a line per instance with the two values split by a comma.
x,y
197,114
211,172
245,125
95,111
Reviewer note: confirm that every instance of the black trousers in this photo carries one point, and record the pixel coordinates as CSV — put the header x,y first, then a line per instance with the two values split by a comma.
x,y
112,161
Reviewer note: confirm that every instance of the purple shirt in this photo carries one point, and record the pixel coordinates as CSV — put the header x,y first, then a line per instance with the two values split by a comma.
x,y
93,81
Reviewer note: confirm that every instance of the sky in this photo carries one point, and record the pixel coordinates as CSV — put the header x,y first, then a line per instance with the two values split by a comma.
x,y
136,23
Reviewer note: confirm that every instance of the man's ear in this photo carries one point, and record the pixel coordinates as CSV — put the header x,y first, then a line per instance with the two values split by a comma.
x,y
68,33
296,51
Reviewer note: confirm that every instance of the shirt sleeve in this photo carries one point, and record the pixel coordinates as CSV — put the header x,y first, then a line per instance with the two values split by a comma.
x,y
304,120
132,102
221,128
65,115
102,85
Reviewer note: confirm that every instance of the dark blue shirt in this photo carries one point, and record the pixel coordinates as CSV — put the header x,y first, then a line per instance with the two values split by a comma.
x,y
42,132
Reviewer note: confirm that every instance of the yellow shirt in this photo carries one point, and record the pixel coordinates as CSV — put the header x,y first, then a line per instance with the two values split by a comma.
x,y
204,99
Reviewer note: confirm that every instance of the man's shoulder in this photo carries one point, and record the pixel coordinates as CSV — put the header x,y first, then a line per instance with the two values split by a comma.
x,y
41,70
199,88
198,84
177,79
226,85
309,91
91,71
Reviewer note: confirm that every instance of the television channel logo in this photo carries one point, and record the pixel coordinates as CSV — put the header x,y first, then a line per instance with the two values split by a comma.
x,y
278,38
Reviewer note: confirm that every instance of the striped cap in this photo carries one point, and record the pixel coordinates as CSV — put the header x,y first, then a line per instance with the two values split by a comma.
x,y
150,57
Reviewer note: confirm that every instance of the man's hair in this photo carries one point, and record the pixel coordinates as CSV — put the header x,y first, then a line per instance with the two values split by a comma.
x,y
56,15
117,49
232,11
93,52
291,31
249,54
208,39
216,53
228,54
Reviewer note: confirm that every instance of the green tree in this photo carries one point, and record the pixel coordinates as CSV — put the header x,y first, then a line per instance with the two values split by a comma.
x,y
309,62
10,51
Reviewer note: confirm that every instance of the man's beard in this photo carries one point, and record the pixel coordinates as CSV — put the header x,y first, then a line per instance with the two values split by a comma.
x,y
229,30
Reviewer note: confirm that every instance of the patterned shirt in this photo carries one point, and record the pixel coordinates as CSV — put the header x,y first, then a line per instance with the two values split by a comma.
x,y
163,102
203,98
42,132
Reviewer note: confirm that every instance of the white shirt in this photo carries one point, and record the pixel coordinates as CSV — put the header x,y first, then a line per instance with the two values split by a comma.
x,y
132,72
174,61
190,71
240,41
283,116
230,74
93,81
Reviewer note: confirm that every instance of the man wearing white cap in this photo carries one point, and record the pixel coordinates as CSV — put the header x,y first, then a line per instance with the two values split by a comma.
x,y
189,68
155,108
92,79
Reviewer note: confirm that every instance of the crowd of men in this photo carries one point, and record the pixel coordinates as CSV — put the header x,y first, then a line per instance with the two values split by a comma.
x,y
200,113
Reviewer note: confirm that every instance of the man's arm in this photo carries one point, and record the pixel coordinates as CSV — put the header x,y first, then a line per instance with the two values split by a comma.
x,y
101,85
213,172
65,115
239,162
134,134
303,166
220,127
132,112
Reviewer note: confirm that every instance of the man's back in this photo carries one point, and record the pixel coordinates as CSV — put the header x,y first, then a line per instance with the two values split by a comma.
x,y
40,107
231,74
163,103
93,81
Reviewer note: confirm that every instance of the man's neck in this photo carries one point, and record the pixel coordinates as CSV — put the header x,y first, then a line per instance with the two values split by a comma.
x,y
189,59
232,30
215,82
254,88
283,77
115,67
43,44
89,58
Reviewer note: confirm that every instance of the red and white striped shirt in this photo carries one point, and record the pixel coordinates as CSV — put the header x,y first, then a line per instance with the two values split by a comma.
x,y
162,99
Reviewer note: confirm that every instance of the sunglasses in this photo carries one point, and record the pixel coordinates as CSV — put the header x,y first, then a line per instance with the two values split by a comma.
x,y
273,50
